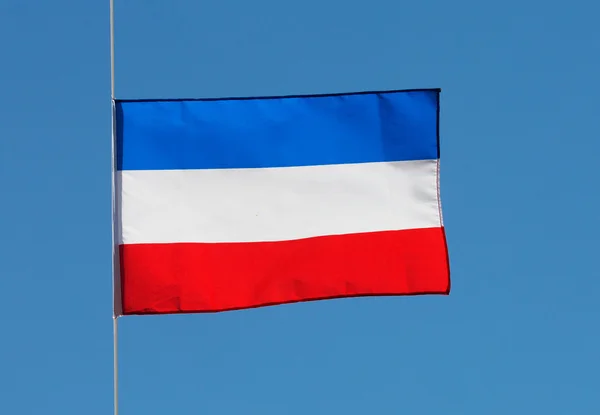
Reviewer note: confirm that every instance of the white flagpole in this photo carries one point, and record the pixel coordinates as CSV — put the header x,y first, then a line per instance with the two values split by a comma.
x,y
115,267
115,369
112,49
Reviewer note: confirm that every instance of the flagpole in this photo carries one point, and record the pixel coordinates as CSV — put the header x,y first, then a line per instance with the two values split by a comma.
x,y
115,368
113,121
112,49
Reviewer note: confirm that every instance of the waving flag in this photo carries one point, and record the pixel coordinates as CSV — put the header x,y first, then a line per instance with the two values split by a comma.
x,y
237,203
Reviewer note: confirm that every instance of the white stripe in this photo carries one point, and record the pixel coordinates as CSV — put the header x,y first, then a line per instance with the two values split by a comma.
x,y
248,205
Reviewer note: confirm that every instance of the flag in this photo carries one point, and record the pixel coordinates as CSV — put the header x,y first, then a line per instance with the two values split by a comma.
x,y
223,204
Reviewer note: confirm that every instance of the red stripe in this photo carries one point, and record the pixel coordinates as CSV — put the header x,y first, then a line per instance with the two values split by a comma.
x,y
203,277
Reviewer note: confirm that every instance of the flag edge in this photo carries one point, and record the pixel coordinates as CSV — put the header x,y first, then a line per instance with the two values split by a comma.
x,y
291,96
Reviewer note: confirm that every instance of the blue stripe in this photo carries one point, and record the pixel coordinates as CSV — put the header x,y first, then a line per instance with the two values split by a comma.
x,y
277,132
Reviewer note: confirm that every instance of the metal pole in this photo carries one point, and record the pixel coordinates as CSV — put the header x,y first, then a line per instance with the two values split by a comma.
x,y
113,118
112,49
116,366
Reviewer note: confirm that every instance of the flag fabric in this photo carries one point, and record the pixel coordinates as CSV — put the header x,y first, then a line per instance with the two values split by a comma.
x,y
224,204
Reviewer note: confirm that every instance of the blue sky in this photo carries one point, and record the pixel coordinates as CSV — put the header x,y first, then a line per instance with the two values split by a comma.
x,y
519,332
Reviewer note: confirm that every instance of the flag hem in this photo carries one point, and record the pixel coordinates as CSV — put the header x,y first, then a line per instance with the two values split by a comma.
x,y
115,217
310,300
292,96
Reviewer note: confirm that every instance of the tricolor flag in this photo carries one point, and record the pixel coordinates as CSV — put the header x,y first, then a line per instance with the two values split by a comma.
x,y
236,203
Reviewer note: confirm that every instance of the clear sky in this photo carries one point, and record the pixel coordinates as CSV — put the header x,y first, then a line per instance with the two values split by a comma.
x,y
520,332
